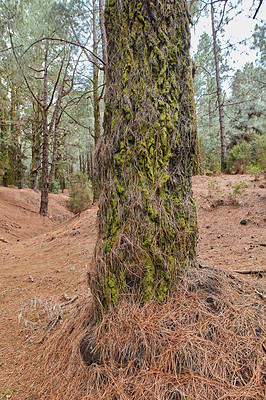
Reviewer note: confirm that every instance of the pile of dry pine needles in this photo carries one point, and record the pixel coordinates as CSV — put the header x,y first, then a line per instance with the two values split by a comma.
x,y
206,342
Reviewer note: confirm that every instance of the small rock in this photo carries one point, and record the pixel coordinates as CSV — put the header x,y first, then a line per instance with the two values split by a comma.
x,y
261,186
219,236
31,279
243,222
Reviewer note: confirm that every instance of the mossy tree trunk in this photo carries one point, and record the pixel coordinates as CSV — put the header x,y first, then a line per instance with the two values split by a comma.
x,y
147,216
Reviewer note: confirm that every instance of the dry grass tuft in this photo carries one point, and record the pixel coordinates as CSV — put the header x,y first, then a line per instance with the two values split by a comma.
x,y
205,342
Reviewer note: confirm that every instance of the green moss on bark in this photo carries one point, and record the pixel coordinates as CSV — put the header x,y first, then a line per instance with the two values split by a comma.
x,y
147,216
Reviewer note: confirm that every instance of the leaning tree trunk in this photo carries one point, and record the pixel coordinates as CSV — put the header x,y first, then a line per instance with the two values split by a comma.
x,y
147,216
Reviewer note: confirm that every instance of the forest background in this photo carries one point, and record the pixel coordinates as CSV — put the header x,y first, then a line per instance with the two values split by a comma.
x,y
52,93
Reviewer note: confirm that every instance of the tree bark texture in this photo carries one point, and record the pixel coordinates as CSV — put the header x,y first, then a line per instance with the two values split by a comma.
x,y
147,217
219,93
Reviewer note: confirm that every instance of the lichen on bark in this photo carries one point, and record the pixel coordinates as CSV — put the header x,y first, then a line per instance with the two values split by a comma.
x,y
147,216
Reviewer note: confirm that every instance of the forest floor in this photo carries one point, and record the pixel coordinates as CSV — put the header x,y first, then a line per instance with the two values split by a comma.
x,y
43,261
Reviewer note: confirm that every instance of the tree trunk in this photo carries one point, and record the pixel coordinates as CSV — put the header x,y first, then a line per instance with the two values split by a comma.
x,y
19,166
96,99
4,119
54,130
36,147
147,216
103,34
45,147
89,161
219,93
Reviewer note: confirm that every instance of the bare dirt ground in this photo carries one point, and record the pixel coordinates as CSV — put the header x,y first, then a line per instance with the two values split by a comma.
x,y
43,261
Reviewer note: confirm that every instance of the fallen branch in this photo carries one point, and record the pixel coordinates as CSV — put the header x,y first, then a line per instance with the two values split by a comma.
x,y
251,271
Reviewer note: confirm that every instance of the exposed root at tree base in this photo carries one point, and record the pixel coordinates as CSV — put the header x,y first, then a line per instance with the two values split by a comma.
x,y
205,342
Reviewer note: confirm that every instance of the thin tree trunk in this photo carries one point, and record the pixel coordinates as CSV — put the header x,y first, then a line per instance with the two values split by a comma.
x,y
96,98
56,118
219,92
147,216
89,161
45,155
4,135
103,34
19,171
12,147
36,147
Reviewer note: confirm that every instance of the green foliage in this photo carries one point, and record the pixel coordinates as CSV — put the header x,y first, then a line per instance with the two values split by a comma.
x,y
210,154
238,158
260,43
206,102
55,186
255,170
248,105
248,157
21,119
259,151
80,193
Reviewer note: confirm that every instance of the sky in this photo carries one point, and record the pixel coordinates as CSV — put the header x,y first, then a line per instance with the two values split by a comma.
x,y
240,28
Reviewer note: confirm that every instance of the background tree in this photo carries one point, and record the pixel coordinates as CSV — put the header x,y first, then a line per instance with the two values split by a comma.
x,y
54,78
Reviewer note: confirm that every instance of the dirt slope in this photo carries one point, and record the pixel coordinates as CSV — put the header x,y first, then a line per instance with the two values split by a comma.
x,y
19,218
43,261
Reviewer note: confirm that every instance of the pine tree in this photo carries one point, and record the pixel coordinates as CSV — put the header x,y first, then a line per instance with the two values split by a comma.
x,y
147,216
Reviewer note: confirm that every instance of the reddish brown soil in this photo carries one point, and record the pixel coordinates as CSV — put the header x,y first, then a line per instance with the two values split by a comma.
x,y
43,261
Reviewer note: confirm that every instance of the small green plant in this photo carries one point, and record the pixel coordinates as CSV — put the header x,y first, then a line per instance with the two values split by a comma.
x,y
80,193
238,190
215,194
214,189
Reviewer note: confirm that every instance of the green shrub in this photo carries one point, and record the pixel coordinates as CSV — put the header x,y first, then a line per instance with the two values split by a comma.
x,y
255,170
80,193
210,155
259,151
238,158
55,186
